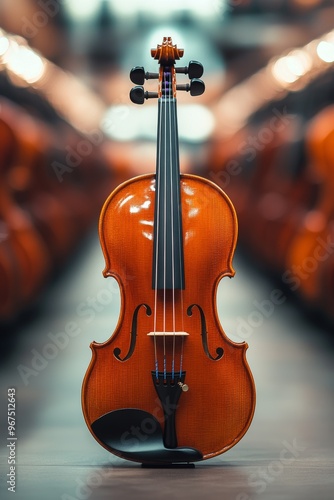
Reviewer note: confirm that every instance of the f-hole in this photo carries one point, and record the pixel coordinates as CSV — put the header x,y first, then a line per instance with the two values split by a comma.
x,y
133,334
204,334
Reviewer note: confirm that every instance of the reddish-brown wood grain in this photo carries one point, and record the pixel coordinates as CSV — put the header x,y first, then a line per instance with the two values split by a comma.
x,y
218,408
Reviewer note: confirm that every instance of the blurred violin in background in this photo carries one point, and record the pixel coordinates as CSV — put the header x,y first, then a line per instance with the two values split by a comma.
x,y
276,164
310,253
49,169
24,257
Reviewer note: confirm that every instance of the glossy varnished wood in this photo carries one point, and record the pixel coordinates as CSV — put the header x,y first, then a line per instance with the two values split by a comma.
x,y
217,410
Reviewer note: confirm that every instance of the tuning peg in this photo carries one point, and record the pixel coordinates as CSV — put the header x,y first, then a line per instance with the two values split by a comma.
x,y
195,87
193,70
138,95
138,75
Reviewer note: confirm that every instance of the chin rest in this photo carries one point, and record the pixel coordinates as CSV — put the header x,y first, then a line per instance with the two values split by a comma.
x,y
137,435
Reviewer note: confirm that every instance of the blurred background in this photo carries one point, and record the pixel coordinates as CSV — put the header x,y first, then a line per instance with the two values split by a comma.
x,y
263,130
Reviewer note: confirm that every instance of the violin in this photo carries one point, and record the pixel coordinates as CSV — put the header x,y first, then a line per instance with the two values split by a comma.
x,y
169,386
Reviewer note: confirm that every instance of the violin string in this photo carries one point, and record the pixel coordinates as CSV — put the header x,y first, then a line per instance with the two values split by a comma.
x,y
182,317
172,159
165,230
180,259
157,222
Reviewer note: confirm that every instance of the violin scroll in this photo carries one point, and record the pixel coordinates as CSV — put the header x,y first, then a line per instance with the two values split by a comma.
x,y
167,53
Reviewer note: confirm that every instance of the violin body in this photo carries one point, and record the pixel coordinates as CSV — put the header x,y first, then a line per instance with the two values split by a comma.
x,y
168,386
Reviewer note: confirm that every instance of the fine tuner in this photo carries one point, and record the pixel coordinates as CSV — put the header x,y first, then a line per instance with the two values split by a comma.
x,y
194,70
184,387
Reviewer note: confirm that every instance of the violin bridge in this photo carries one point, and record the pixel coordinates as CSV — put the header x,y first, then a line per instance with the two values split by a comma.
x,y
168,334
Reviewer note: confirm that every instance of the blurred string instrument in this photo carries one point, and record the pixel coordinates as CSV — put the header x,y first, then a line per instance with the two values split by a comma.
x,y
168,386
31,186
49,167
24,259
275,160
312,245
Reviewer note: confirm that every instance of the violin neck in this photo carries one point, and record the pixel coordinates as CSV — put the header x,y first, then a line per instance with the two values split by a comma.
x,y
168,260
